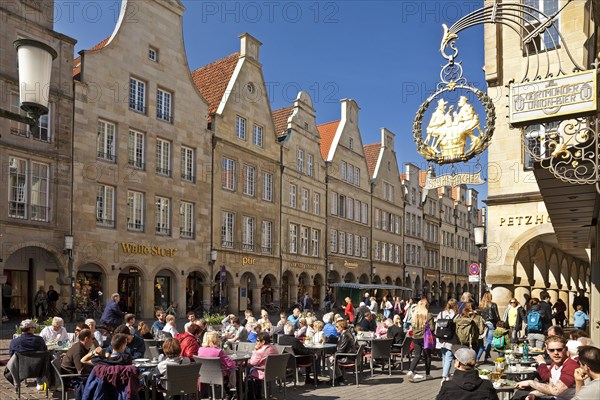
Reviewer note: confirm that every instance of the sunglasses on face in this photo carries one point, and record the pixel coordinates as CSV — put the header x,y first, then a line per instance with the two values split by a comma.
x,y
557,350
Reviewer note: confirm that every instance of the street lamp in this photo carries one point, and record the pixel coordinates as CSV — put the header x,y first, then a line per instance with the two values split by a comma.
x,y
35,68
479,236
69,252
211,263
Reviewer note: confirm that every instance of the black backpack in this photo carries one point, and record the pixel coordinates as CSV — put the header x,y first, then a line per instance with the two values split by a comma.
x,y
445,328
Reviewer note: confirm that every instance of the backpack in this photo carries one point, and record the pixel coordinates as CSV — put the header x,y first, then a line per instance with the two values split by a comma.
x,y
534,322
498,342
445,328
465,330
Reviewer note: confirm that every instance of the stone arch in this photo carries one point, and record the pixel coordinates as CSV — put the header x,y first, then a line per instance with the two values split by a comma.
x,y
388,280
364,278
540,267
376,279
90,281
443,293
349,278
418,288
288,286
553,269
573,275
451,293
564,273
520,241
408,284
268,289
334,277
248,285
398,281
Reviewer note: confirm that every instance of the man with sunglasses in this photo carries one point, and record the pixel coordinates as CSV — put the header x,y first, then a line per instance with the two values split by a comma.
x,y
557,379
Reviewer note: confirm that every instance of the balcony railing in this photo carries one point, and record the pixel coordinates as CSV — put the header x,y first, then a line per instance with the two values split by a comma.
x,y
138,107
110,156
137,164
185,233
110,223
163,171
163,116
160,230
135,226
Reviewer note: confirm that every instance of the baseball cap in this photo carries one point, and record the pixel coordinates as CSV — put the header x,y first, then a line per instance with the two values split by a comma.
x,y
27,323
465,355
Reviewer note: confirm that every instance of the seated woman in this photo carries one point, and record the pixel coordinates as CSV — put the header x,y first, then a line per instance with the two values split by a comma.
x,y
189,341
262,350
172,351
210,348
144,331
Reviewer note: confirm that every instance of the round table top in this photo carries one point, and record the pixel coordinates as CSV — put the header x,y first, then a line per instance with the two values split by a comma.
x,y
319,346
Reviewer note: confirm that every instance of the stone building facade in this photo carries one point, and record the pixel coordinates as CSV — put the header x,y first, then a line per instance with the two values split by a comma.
x,y
36,211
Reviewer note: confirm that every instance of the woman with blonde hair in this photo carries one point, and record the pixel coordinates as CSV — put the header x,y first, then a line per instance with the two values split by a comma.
x,y
349,310
421,318
210,348
514,317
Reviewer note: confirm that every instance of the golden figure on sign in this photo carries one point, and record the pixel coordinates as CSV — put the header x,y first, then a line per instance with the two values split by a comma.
x,y
449,131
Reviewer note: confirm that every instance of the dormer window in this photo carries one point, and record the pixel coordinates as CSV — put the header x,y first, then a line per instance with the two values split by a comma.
x,y
153,54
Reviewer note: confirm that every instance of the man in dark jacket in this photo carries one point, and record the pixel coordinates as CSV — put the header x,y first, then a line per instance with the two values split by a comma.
x,y
112,315
135,344
368,323
546,307
360,312
466,383
345,344
298,349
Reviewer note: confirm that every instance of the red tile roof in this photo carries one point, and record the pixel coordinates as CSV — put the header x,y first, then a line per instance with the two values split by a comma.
x,y
327,133
280,117
77,61
212,80
372,155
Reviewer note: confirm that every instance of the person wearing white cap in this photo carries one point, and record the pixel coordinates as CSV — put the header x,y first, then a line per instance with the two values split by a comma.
x,y
56,331
27,341
466,383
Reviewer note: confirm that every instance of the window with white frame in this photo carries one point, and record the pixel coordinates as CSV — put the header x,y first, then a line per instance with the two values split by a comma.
x,y
249,179
357,215
257,137
267,237
388,191
333,240
248,225
350,208
293,195
314,242
304,232
390,253
227,229
334,203
365,213
135,149
397,224
267,188
342,206
350,244
363,247
309,165
300,160
188,164
163,157
377,216
305,200
397,254
41,132
40,174
105,206
162,216
376,250
407,254
383,251
164,101
186,220
350,173
135,211
343,170
228,174
316,203
384,220
357,245
137,95
153,54
548,39
240,127
342,242
293,238
357,176
105,141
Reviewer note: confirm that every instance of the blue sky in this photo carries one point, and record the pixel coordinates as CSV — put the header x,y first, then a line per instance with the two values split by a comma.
x,y
383,54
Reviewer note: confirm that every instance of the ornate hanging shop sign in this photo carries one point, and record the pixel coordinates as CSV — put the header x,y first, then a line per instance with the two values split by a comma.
x,y
453,132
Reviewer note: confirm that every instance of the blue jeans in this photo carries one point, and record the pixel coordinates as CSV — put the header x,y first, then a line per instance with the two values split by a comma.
x,y
489,337
447,358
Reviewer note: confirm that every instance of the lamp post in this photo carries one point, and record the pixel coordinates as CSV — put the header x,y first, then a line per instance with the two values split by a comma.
x,y
479,236
211,263
69,252
35,67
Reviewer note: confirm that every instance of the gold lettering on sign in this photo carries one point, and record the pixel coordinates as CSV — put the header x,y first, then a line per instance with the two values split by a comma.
x,y
248,261
348,264
134,248
521,220
304,266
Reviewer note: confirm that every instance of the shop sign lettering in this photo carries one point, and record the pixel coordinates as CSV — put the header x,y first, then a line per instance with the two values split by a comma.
x,y
248,261
133,248
537,219
348,264
304,266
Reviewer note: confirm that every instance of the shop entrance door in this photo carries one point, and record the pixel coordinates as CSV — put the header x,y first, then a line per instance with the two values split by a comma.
x,y
129,288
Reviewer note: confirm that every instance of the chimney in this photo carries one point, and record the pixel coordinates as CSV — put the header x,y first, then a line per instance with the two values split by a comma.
x,y
249,46
350,111
387,138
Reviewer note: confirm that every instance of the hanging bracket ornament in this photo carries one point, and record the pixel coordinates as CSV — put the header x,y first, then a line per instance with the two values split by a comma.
x,y
453,134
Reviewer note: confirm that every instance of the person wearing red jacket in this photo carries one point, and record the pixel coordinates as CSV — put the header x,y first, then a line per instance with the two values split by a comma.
x,y
189,341
558,378
349,310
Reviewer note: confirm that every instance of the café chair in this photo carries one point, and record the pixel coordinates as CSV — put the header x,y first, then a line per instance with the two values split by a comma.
x,y
381,349
28,364
275,370
211,373
150,343
245,347
62,378
153,352
355,364
182,380
403,351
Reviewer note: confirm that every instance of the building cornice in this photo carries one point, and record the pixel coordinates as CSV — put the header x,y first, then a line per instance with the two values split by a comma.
x,y
513,198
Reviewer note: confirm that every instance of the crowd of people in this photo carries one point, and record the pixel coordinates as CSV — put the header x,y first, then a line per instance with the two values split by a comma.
x,y
464,333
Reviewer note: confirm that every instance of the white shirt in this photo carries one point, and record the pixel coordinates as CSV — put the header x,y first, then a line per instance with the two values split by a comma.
x,y
555,372
49,334
170,329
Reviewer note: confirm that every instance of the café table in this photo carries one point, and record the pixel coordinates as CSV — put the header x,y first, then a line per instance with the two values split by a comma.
x,y
504,389
240,359
520,373
320,350
145,366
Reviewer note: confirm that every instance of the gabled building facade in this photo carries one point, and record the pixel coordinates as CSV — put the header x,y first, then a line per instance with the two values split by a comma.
x,y
142,196
413,229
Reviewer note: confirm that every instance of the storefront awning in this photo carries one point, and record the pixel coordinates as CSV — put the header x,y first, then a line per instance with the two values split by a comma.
x,y
367,286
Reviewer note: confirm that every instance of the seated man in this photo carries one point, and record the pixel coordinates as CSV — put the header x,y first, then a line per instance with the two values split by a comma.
x,y
466,383
27,341
589,358
368,323
288,339
71,362
557,379
160,322
329,328
135,344
239,333
56,331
